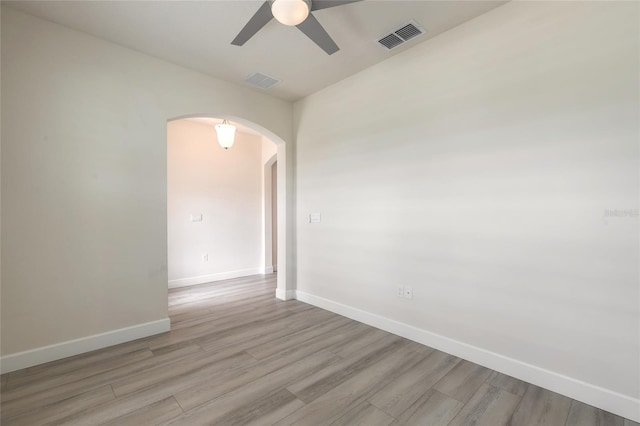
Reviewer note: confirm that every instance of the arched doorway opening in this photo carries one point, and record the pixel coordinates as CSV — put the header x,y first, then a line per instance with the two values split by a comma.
x,y
273,234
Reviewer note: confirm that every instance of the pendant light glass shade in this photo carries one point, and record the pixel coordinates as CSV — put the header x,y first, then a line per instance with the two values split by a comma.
x,y
226,133
290,12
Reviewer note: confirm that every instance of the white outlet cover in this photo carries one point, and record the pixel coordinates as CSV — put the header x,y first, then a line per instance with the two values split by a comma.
x,y
408,292
315,218
196,217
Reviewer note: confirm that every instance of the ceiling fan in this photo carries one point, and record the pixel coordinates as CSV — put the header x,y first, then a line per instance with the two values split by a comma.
x,y
293,13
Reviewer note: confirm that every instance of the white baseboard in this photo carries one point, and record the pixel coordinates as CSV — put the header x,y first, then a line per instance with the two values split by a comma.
x,y
608,400
202,279
69,348
286,294
268,270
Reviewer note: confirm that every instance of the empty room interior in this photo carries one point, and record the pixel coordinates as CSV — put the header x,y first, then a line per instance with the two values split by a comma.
x,y
320,212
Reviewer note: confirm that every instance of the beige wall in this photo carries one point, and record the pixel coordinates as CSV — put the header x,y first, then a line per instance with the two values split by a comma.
x,y
225,187
84,178
477,168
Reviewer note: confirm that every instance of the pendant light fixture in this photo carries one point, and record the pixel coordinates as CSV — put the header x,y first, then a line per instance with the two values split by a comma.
x,y
226,133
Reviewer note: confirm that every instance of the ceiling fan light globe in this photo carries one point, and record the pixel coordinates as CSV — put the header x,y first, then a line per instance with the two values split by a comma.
x,y
290,12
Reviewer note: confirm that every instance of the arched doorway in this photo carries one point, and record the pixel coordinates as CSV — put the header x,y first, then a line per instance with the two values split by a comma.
x,y
284,290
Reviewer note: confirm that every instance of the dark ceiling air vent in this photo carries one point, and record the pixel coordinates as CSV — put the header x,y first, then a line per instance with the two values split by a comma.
x,y
261,80
390,41
402,34
408,32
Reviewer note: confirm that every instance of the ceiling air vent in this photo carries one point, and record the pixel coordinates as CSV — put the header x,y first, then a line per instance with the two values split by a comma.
x,y
262,81
400,35
390,41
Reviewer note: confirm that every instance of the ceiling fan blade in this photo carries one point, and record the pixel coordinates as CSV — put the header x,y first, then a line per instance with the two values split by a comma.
x,y
312,29
325,4
255,24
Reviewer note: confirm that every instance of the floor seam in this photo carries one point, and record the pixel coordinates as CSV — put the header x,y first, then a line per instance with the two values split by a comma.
x,y
178,402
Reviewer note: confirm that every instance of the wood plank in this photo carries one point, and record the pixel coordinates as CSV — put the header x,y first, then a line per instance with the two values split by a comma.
x,y
344,397
203,392
199,365
298,338
402,392
507,383
355,347
364,414
159,390
59,380
541,407
261,335
59,410
275,414
220,289
432,408
94,359
221,304
581,414
489,406
231,310
33,400
463,381
225,328
221,409
152,414
316,385
266,410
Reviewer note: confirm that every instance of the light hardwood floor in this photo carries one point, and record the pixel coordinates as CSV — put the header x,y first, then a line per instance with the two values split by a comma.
x,y
236,355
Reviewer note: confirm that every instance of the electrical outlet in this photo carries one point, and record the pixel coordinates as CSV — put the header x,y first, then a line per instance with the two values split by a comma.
x,y
408,292
205,257
399,291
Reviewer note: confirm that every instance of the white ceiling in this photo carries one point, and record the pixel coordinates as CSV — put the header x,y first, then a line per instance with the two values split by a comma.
x,y
197,35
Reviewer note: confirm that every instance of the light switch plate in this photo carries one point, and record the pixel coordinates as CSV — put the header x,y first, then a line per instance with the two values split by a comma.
x,y
196,217
315,218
